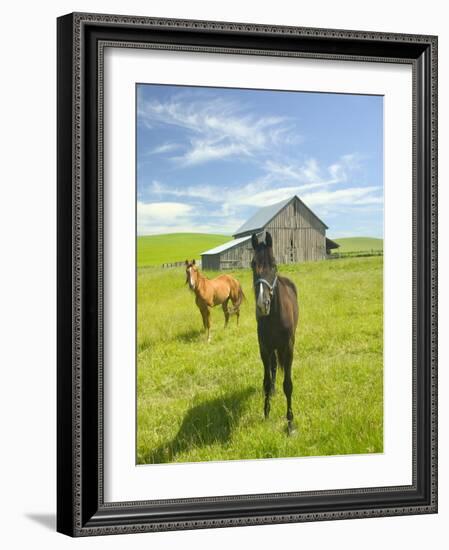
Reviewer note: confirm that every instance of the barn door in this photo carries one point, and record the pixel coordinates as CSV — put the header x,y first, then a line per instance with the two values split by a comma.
x,y
292,256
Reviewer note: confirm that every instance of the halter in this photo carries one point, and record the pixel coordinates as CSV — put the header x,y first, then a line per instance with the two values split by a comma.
x,y
265,282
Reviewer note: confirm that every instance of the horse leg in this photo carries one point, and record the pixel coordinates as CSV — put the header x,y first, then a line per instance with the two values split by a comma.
x,y
203,317
226,312
207,314
201,308
273,373
236,297
287,360
267,382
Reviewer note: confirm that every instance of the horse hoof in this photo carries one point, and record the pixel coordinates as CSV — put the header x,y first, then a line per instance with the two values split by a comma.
x,y
290,428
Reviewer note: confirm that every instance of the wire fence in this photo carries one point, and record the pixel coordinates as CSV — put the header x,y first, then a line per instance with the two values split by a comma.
x,y
355,254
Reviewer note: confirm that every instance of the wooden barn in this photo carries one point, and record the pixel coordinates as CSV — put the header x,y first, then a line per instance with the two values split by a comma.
x,y
298,236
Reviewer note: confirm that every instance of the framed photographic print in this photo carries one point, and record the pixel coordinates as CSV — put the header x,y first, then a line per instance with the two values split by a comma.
x,y
247,274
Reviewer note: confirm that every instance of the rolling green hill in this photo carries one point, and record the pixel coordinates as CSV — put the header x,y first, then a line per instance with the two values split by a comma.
x,y
359,244
154,250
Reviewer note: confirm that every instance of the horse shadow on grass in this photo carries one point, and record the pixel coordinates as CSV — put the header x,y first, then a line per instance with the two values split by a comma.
x,y
190,335
205,424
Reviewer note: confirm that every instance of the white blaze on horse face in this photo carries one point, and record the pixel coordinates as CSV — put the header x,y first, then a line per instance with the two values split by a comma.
x,y
192,284
260,303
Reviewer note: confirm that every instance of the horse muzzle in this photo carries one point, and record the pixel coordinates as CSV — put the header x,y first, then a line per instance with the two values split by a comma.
x,y
191,285
263,310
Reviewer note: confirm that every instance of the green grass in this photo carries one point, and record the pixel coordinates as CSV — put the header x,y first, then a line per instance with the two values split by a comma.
x,y
359,244
200,401
154,250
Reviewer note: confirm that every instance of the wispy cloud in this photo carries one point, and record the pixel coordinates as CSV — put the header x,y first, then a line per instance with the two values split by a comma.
x,y
352,196
216,128
164,148
279,181
309,171
345,166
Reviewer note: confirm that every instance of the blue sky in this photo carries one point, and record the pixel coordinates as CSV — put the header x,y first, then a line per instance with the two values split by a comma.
x,y
208,158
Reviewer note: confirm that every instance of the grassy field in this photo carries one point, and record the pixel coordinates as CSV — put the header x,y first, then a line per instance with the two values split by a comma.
x,y
156,250
359,244
199,401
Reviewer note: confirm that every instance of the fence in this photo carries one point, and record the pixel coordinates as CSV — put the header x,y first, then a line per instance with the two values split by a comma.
x,y
178,264
230,264
355,254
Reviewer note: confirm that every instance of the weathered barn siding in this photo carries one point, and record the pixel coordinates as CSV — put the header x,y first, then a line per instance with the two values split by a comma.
x,y
210,262
238,256
235,257
298,235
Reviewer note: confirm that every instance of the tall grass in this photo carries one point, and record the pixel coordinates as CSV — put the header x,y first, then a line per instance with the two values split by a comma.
x,y
200,401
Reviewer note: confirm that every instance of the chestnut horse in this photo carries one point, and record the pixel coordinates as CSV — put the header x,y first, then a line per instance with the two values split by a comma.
x,y
277,319
213,292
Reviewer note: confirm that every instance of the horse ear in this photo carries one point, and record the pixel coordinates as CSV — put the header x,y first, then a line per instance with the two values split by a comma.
x,y
193,262
254,241
269,240
187,262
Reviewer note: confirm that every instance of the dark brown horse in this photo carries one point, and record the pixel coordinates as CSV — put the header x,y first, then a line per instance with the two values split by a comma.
x,y
213,292
277,318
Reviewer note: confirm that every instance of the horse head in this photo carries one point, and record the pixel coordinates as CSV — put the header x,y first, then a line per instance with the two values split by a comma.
x,y
264,274
191,274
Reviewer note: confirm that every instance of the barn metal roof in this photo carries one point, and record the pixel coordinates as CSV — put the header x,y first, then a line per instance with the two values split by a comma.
x,y
264,215
226,246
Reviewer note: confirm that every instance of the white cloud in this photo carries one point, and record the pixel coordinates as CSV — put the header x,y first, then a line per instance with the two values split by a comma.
x,y
227,228
153,215
162,210
174,217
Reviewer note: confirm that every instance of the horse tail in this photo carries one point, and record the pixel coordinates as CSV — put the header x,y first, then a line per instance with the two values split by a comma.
x,y
238,302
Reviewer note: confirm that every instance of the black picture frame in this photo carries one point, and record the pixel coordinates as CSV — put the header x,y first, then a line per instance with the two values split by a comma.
x,y
81,509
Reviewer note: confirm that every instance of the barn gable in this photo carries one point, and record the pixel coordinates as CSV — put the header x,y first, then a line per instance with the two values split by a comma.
x,y
260,219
